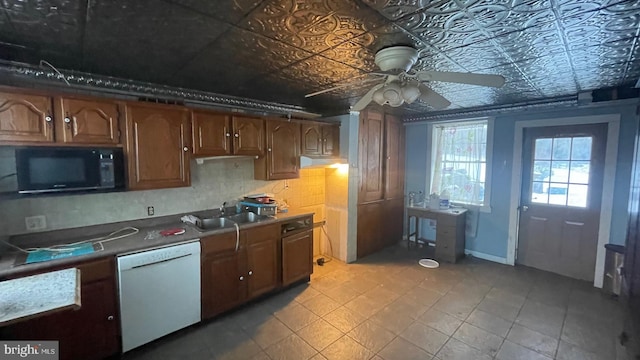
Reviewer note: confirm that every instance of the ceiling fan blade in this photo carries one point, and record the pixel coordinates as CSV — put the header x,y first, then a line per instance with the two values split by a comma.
x,y
432,98
461,78
364,81
366,99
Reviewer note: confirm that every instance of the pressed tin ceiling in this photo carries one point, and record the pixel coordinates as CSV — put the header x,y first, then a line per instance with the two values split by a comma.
x,y
278,50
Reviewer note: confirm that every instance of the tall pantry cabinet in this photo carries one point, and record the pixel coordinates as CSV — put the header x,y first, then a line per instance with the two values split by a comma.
x,y
381,148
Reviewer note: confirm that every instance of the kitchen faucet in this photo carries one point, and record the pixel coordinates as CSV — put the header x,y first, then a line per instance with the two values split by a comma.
x,y
222,208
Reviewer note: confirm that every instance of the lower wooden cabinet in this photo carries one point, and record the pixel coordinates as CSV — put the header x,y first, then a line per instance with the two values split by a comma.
x,y
379,225
229,277
297,257
91,332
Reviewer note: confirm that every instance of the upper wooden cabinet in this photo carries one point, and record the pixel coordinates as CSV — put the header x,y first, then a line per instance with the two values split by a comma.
x,y
248,135
394,157
86,121
26,118
371,149
320,139
218,134
282,158
35,119
158,146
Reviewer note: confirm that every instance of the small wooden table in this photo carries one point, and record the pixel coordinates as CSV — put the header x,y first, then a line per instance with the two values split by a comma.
x,y
450,231
32,296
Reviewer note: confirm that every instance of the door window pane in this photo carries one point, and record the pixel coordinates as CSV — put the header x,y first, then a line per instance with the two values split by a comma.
x,y
581,148
561,148
579,172
539,197
559,171
543,149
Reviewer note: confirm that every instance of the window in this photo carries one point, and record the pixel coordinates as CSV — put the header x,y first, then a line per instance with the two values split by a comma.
x,y
460,162
561,171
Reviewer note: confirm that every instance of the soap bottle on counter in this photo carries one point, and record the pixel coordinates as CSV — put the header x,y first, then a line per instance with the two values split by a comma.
x,y
444,200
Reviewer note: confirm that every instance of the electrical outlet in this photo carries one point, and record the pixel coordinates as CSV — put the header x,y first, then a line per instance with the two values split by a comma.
x,y
150,210
35,223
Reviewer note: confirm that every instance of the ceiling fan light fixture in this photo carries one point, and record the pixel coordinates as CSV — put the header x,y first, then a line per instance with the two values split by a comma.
x,y
410,93
378,96
392,94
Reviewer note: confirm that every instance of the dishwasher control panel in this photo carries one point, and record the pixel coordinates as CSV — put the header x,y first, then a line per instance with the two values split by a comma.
x,y
158,255
289,227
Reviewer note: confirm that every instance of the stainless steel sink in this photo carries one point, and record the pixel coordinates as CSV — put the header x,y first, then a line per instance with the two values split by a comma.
x,y
214,223
246,217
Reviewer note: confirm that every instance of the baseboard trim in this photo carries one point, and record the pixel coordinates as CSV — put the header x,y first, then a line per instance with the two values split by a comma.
x,y
480,255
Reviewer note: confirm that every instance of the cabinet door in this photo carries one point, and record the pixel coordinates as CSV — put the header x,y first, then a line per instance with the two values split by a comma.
x,y
371,223
223,284
157,146
394,167
311,139
393,221
211,133
283,150
248,136
331,140
371,138
25,118
262,259
297,257
86,121
90,332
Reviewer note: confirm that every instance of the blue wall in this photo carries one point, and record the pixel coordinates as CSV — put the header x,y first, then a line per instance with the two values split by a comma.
x,y
493,227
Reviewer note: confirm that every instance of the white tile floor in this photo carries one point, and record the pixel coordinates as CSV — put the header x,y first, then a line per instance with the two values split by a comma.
x,y
388,307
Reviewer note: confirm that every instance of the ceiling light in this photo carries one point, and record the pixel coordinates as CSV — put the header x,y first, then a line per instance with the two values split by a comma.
x,y
410,93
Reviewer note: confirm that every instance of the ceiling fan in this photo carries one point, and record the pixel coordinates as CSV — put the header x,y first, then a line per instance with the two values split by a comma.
x,y
400,84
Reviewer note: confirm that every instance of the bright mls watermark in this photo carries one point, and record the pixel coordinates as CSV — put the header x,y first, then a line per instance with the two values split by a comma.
x,y
41,350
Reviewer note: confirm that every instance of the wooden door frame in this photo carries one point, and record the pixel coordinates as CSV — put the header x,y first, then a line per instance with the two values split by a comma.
x,y
610,163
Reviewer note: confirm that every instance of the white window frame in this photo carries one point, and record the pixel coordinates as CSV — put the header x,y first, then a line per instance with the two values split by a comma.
x,y
486,206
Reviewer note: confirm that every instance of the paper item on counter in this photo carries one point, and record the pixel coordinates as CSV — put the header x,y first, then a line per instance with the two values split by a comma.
x,y
189,219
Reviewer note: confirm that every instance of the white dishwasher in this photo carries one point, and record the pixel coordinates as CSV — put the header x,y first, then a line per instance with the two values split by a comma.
x,y
159,292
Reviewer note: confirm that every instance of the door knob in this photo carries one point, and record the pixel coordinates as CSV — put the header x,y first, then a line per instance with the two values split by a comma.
x,y
524,208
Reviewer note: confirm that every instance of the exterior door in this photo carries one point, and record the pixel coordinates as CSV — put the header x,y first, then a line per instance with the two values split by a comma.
x,y
561,197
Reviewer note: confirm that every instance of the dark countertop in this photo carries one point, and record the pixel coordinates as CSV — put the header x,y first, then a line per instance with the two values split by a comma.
x,y
143,240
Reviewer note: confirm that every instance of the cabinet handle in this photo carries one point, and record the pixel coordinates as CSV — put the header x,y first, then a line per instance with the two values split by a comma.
x,y
228,135
185,149
269,149
241,278
236,135
47,118
110,317
250,272
67,120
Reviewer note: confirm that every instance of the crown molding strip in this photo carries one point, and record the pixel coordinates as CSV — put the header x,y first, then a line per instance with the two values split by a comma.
x,y
545,104
107,84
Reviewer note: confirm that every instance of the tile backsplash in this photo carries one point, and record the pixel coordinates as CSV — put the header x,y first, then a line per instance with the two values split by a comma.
x,y
213,182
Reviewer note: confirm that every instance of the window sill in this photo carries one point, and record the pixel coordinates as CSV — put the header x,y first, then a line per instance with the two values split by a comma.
x,y
482,208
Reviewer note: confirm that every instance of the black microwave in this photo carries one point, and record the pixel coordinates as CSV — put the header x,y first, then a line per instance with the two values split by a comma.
x,y
67,169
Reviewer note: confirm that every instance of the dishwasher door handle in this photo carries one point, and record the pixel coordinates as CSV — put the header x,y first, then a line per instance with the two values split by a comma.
x,y
160,262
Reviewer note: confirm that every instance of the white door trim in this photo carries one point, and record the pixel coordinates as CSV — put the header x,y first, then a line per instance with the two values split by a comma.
x,y
611,159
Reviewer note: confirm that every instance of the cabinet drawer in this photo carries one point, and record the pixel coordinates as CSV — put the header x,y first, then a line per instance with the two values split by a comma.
x,y
263,233
96,270
445,231
448,220
218,243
